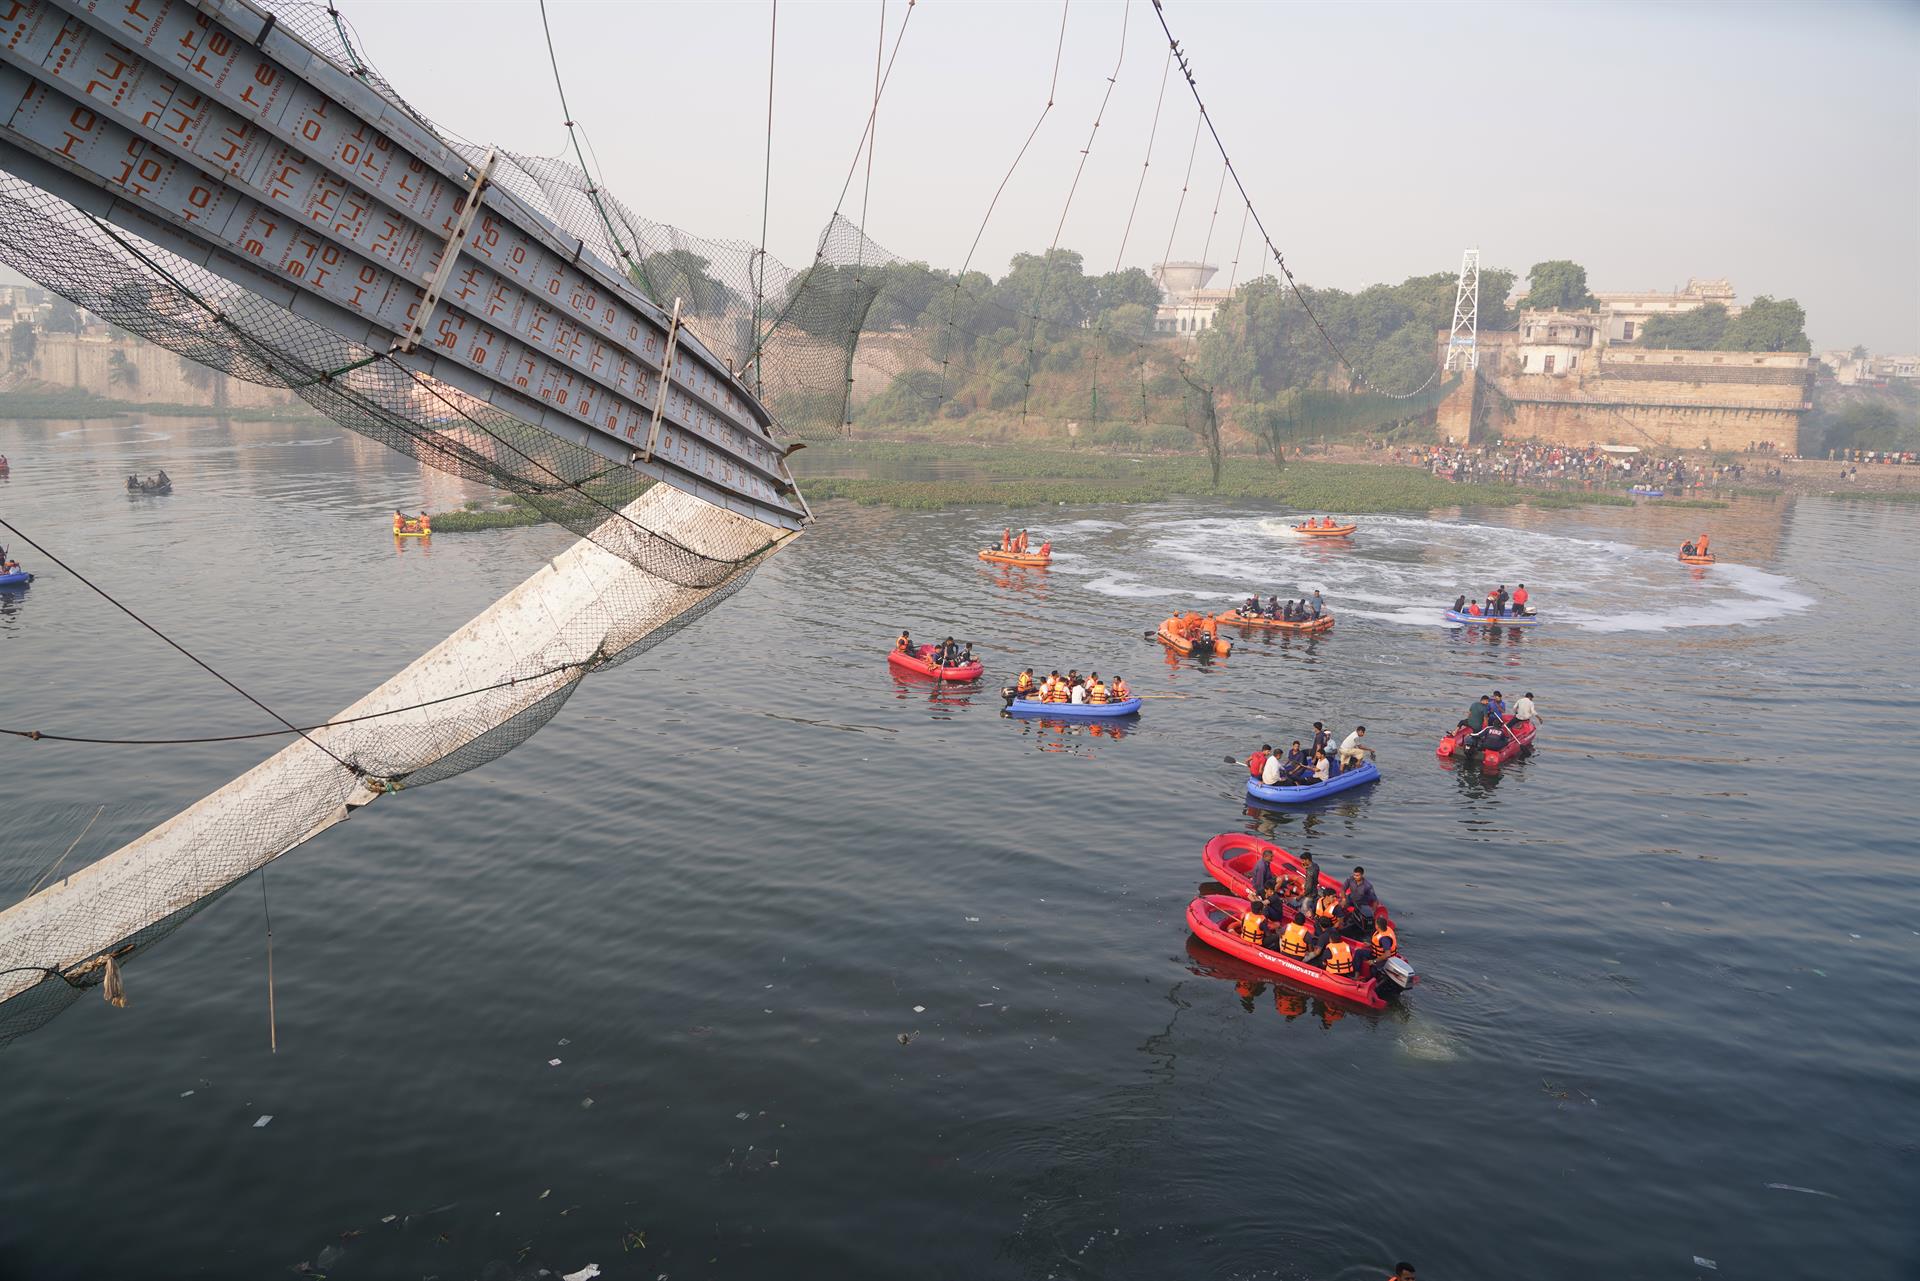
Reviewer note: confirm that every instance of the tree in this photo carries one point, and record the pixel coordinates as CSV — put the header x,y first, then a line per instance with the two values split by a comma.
x,y
120,370
1557,285
64,318
25,342
682,274
1702,329
1859,352
1769,325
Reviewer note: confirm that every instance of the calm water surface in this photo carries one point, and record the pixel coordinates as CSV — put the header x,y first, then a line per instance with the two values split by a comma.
x,y
1670,997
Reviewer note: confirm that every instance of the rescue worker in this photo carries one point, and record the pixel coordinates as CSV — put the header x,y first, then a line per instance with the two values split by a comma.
x,y
1272,773
1383,942
1320,738
1476,721
1273,607
1006,540
1309,885
1252,605
1120,691
1497,706
1523,708
1520,599
905,644
1299,939
1460,603
1322,767
1261,877
1686,549
1319,606
1352,750
1346,958
1252,924
1023,688
1257,763
1358,897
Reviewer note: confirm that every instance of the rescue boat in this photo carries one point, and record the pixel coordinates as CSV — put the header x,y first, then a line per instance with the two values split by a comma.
x,y
1708,559
1215,921
1519,739
1325,531
920,663
1173,637
1082,711
1309,626
1494,620
413,527
1647,491
1346,780
15,578
1036,560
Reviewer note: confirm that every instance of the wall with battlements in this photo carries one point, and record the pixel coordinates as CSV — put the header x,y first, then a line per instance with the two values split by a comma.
x,y
146,373
1722,400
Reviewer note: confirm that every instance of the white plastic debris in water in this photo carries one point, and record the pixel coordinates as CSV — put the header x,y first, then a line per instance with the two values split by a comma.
x,y
185,1093
262,1121
587,1273
919,1009
739,1116
1795,1187
553,1062
1705,1263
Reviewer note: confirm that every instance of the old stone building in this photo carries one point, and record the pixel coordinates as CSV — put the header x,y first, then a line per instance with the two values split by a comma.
x,y
1577,378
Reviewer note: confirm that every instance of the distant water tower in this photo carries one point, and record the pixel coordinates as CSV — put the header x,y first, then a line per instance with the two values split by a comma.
x,y
1183,277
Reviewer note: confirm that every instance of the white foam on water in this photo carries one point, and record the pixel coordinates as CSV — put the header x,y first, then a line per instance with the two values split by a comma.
x,y
1408,569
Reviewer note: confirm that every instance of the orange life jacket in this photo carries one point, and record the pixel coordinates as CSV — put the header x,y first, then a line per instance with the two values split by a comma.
x,y
1097,693
1120,692
1340,957
1293,940
1291,886
1385,942
903,645
1025,684
1250,927
1327,906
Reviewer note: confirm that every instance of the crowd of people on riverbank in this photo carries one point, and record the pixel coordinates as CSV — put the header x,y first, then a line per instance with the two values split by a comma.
x,y
1879,457
1071,688
1535,462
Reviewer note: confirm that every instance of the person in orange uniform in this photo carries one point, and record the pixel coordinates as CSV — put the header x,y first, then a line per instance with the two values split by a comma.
x,y
1520,600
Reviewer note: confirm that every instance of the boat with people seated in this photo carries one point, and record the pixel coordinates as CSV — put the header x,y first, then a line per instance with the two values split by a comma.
x,y
1495,620
1519,739
1193,634
920,663
1304,793
1328,530
1215,920
160,484
1037,560
15,578
1696,553
1235,618
1078,711
420,526
1708,559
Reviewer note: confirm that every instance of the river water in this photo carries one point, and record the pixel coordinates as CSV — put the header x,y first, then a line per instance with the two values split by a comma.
x,y
1670,959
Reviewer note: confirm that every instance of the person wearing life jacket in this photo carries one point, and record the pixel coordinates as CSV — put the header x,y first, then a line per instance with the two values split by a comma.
x,y
1473,610
1298,940
1006,540
1704,540
1383,942
1120,691
1097,693
1061,693
1343,959
903,645
1251,925
1023,687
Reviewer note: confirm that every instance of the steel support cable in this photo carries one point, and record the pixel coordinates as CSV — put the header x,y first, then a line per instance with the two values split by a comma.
x,y
1152,132
1240,240
766,203
38,736
1053,85
1206,246
1280,261
593,188
195,659
1046,274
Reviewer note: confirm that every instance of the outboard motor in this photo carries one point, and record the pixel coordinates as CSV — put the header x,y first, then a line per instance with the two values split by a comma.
x,y
1397,971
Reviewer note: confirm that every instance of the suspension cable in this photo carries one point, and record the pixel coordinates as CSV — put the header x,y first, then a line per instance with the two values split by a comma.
x,y
766,202
1359,375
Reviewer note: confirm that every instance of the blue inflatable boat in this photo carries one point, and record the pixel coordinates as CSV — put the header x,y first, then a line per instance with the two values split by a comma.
x,y
19,578
1089,711
1497,620
1359,776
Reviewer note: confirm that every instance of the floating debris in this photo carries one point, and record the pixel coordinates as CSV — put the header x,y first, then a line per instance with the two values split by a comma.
x,y
906,1038
1705,1263
739,1116
261,1123
1794,1187
186,1093
553,1062
587,1273
585,1104
919,1009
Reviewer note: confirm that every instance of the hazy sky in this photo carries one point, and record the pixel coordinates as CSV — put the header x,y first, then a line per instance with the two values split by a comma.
x,y
1776,145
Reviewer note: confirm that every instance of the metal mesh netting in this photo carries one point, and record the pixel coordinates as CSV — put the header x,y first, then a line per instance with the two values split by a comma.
x,y
653,557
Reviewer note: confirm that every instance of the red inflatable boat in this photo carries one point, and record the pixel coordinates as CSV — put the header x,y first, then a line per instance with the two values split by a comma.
x,y
1215,921
1520,738
920,663
1230,856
